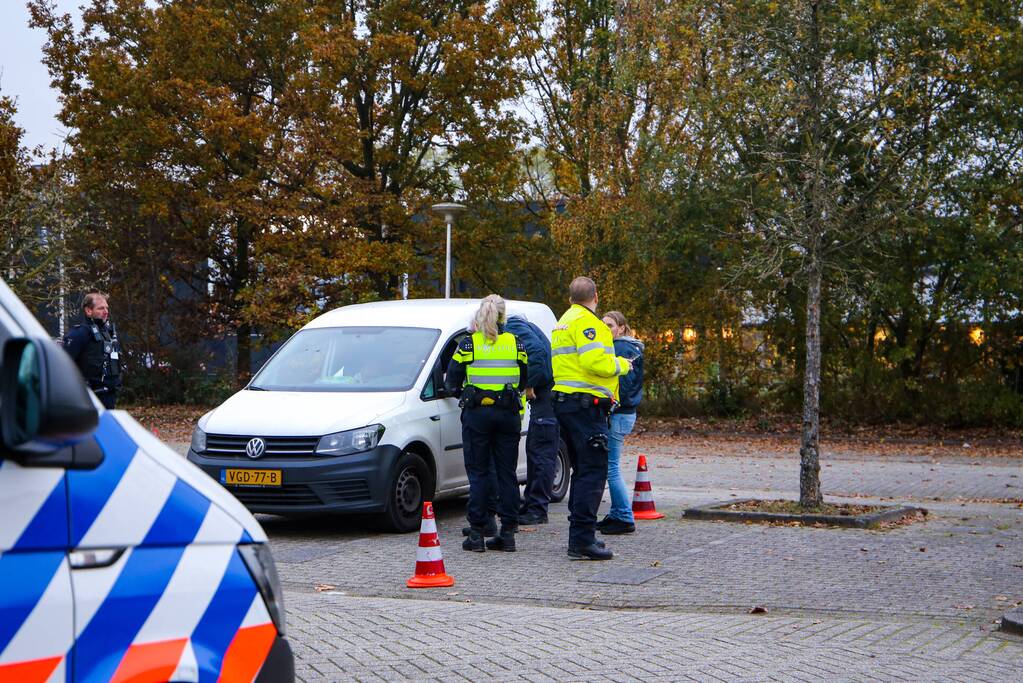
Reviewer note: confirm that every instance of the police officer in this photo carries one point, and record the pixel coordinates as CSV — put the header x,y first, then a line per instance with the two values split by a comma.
x,y
542,437
96,349
487,371
586,372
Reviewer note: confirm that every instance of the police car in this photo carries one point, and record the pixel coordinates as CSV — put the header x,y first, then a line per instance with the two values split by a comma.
x,y
119,560
351,415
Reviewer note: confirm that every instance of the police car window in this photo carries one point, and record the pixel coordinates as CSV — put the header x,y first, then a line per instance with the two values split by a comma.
x,y
349,359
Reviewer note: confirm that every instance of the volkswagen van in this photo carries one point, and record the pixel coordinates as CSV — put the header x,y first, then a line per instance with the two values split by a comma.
x,y
350,415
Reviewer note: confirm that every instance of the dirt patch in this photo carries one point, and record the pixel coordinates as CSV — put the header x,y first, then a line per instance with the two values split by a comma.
x,y
792,507
738,438
169,422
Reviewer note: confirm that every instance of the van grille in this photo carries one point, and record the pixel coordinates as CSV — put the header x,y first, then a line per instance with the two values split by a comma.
x,y
318,493
232,446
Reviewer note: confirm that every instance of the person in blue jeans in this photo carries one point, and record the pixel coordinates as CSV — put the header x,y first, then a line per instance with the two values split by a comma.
x,y
630,393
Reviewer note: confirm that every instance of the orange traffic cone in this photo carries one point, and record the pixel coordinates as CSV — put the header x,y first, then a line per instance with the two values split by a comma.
x,y
643,495
429,561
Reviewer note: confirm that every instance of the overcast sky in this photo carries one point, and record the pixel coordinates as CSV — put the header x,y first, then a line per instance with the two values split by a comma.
x,y
23,76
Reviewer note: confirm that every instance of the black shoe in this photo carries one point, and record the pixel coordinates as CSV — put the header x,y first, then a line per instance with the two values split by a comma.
x,y
617,526
489,529
604,522
531,519
590,552
505,541
474,542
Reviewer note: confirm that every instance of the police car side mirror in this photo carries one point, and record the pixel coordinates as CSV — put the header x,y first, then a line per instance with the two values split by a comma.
x,y
45,407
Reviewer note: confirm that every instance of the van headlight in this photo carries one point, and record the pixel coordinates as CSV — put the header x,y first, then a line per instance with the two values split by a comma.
x,y
198,440
351,441
261,566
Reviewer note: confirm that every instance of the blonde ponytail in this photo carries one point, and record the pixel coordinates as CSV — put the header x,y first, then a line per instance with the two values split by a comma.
x,y
489,315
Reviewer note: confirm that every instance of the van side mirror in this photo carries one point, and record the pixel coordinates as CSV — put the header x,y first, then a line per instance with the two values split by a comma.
x,y
46,413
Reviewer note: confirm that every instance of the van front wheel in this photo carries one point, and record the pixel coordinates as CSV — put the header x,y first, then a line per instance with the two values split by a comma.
x,y
411,485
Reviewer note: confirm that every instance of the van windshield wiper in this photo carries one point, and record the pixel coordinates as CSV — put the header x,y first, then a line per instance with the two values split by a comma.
x,y
253,387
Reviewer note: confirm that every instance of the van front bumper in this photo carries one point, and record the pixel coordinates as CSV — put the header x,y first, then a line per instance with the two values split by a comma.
x,y
358,483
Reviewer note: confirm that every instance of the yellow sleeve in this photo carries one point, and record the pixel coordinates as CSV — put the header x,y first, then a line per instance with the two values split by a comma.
x,y
597,355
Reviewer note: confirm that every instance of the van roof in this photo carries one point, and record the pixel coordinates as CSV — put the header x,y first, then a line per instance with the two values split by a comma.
x,y
433,313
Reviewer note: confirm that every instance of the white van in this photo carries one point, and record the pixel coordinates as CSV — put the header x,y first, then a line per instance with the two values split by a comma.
x,y
350,415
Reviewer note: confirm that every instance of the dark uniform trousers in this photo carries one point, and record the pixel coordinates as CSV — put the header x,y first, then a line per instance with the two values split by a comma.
x,y
490,444
541,463
585,431
541,456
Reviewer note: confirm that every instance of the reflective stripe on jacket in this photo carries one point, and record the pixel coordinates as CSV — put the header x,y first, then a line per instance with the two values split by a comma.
x,y
583,355
492,365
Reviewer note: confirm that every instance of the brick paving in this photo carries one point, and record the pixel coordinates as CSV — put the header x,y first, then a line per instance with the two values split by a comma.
x,y
342,638
917,602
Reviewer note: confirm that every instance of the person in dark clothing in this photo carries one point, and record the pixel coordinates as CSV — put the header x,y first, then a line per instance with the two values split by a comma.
x,y
487,372
630,393
543,434
96,348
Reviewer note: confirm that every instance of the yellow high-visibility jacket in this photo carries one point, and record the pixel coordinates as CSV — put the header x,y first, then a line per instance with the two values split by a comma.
x,y
491,365
583,355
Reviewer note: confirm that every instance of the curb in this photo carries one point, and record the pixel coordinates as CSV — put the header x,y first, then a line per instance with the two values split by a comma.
x,y
1012,622
713,511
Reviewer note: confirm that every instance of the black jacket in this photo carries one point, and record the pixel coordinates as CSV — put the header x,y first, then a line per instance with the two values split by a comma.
x,y
98,359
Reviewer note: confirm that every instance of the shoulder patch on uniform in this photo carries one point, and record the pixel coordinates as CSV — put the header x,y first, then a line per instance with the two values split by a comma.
x,y
466,344
590,333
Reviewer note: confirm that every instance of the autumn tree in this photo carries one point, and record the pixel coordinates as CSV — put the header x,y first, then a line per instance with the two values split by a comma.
x,y
846,119
38,213
276,151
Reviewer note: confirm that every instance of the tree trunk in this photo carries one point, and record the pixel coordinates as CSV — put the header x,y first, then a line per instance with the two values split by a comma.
x,y
809,451
240,279
243,368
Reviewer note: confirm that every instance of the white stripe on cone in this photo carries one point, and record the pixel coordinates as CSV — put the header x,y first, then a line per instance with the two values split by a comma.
x,y
643,497
429,526
428,554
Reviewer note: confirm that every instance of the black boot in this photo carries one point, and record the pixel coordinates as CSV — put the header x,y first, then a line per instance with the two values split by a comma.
x,y
505,541
489,529
474,542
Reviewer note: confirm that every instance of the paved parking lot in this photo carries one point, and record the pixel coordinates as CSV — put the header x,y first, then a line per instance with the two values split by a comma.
x,y
916,602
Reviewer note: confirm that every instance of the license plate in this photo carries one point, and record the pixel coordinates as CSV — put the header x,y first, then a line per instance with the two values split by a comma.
x,y
250,477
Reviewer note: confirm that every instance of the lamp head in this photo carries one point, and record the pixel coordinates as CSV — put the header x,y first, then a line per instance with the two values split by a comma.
x,y
448,210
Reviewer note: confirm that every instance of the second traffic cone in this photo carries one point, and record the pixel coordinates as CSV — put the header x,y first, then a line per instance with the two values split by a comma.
x,y
429,560
643,495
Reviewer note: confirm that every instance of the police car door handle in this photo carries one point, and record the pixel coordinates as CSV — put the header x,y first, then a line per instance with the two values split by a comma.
x,y
94,558
435,418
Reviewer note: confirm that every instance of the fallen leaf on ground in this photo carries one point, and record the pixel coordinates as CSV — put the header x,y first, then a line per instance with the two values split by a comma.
x,y
320,587
758,609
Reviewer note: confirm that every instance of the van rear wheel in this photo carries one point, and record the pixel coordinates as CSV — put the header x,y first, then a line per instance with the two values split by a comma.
x,y
562,474
411,485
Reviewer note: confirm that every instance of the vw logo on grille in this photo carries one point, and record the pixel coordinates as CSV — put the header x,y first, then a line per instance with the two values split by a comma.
x,y
255,448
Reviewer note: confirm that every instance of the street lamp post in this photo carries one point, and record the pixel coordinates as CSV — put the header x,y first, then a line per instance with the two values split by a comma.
x,y
449,211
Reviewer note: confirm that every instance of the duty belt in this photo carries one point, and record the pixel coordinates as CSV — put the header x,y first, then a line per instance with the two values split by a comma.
x,y
585,400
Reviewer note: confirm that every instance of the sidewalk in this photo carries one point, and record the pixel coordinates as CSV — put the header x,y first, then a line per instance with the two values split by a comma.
x,y
915,602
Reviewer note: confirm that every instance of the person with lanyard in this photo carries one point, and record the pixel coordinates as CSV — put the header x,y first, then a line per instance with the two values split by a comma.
x,y
630,392
487,372
96,348
586,372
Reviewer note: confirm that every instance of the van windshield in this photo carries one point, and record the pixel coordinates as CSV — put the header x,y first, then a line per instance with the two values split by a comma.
x,y
348,359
